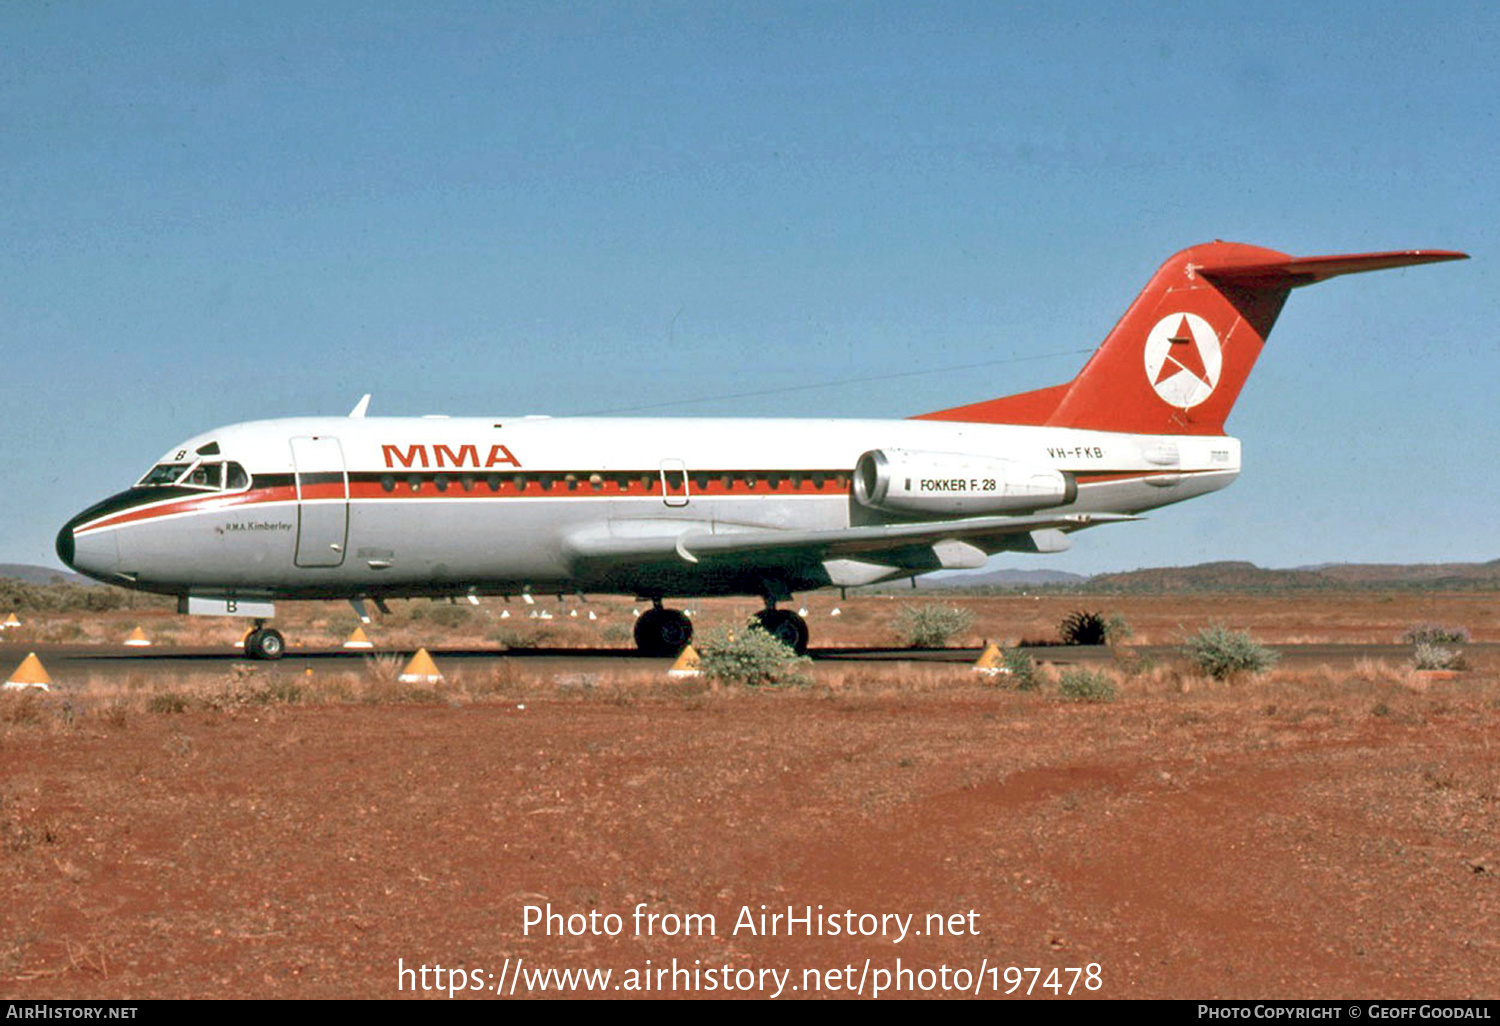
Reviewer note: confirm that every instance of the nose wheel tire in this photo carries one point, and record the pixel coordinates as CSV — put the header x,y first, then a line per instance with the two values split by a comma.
x,y
663,632
265,644
786,627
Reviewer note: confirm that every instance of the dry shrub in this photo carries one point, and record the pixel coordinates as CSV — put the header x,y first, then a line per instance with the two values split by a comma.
x,y
23,708
932,625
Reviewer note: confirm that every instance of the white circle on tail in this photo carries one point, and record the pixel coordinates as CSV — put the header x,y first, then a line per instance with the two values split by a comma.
x,y
1183,359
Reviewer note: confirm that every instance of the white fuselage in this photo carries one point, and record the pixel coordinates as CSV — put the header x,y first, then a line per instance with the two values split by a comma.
x,y
345,507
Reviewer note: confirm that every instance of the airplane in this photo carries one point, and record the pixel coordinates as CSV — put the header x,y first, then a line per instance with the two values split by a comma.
x,y
370,508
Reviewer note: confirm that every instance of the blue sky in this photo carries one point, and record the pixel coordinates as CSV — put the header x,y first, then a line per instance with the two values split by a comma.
x,y
221,212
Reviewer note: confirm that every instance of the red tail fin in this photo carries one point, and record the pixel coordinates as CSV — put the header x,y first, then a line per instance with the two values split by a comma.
x,y
1175,363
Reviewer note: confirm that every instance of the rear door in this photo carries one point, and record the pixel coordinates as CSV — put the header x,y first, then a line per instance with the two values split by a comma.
x,y
322,501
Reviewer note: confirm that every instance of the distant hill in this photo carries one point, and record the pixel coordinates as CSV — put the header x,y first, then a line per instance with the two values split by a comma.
x,y
41,574
1021,579
1241,576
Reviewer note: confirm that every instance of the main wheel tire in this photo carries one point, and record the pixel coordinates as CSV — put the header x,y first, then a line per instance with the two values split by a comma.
x,y
265,644
663,632
786,627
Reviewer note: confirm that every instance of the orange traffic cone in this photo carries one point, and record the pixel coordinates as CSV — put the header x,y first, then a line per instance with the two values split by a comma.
x,y
990,662
687,664
421,670
137,639
358,639
30,674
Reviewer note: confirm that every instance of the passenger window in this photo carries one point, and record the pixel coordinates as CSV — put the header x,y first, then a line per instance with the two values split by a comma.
x,y
388,482
235,476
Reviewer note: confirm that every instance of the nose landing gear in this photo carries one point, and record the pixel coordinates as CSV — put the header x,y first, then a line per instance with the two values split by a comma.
x,y
264,642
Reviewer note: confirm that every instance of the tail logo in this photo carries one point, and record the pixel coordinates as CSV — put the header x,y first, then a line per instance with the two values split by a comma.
x,y
1183,359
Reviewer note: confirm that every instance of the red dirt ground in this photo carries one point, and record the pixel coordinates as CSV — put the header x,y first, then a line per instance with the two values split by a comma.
x,y
1277,837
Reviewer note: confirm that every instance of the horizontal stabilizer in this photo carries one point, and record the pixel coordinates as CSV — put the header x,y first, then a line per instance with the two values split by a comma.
x,y
1293,272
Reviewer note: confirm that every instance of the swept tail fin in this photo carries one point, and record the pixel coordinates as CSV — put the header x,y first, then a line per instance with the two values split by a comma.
x,y
1175,363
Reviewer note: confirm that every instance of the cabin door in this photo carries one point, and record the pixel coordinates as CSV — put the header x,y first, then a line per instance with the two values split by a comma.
x,y
322,501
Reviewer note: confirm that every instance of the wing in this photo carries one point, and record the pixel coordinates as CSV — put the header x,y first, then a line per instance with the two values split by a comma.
x,y
895,549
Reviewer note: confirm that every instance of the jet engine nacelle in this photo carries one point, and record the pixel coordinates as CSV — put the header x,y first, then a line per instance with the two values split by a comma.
x,y
949,483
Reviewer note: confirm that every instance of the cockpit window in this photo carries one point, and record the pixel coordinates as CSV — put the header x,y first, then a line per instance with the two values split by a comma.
x,y
205,475
163,474
208,476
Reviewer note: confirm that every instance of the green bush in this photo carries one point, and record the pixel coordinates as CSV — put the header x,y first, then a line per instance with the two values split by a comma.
x,y
167,702
1435,657
1021,669
510,637
1435,634
750,657
931,626
1221,653
449,616
1080,685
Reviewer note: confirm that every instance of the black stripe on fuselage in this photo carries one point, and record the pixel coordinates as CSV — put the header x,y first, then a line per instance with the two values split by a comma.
x,y
132,498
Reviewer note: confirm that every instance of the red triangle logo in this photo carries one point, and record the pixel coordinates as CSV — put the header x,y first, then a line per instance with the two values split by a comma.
x,y
1182,356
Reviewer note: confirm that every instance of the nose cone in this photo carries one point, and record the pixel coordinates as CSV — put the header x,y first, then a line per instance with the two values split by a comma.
x,y
95,553
65,544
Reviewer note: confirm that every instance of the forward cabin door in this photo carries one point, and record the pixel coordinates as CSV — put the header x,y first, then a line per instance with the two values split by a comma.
x,y
322,501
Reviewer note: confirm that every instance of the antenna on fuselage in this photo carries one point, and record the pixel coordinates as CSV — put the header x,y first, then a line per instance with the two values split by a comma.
x,y
361,406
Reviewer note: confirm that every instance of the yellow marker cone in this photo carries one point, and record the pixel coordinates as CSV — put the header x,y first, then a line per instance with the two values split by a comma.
x,y
30,674
686,664
421,670
11,621
990,662
137,639
358,639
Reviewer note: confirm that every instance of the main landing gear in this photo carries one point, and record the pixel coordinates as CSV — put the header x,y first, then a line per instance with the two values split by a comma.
x,y
662,632
264,642
665,632
785,626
